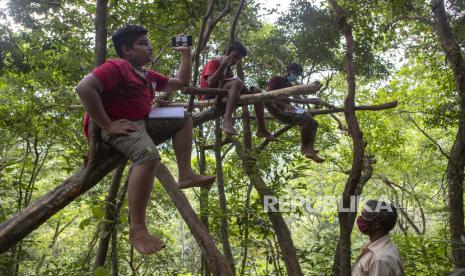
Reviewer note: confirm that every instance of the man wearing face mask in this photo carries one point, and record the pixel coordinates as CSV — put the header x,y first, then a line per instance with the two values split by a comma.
x,y
289,114
379,256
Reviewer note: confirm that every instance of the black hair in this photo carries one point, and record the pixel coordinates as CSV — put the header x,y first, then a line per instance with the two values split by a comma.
x,y
385,212
238,47
126,36
294,67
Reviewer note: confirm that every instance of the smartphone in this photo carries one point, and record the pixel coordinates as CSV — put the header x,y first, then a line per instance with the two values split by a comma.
x,y
181,40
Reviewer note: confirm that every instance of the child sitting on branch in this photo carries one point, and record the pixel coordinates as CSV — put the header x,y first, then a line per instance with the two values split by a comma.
x,y
289,114
217,73
118,97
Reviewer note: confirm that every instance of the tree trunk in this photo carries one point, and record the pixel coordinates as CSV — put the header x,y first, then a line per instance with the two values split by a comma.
x,y
110,216
216,262
224,231
366,176
204,199
101,16
24,222
456,163
346,219
247,132
289,253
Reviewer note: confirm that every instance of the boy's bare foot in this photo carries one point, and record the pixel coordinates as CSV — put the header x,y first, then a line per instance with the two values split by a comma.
x,y
196,180
229,129
265,134
145,243
312,154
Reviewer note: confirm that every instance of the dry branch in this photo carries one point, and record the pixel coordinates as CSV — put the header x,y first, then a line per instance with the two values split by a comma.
x,y
258,97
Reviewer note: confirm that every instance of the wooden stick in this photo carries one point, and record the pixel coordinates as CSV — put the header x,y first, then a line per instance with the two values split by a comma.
x,y
204,91
378,107
357,108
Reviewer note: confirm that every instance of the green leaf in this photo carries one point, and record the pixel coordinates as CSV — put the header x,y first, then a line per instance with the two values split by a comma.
x,y
84,223
101,271
98,212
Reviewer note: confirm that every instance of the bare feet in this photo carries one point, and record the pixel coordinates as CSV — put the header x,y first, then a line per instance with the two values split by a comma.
x,y
229,129
145,243
196,180
312,154
265,134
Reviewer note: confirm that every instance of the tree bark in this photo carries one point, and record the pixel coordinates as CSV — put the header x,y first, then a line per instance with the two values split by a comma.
x,y
456,163
232,32
289,253
224,232
24,222
315,112
216,261
204,194
346,219
101,16
259,97
247,132
110,216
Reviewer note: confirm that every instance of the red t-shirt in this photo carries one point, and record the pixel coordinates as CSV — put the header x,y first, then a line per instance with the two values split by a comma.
x,y
126,95
278,82
275,83
210,69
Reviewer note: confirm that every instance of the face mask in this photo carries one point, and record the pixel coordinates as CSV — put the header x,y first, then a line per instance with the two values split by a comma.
x,y
363,225
291,77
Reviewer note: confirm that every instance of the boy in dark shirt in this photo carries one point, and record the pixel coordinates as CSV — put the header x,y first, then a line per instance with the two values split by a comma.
x,y
289,114
118,96
218,73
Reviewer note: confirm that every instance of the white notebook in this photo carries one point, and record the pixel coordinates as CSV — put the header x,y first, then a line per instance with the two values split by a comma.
x,y
299,110
167,112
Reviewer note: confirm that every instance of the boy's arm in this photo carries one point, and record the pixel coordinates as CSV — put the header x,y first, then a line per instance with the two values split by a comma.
x,y
283,105
88,91
213,79
185,71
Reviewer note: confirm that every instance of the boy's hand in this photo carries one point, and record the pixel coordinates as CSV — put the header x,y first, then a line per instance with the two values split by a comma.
x,y
289,109
228,60
183,49
122,127
162,102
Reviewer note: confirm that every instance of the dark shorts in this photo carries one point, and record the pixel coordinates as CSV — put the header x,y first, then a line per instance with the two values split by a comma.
x,y
140,146
289,117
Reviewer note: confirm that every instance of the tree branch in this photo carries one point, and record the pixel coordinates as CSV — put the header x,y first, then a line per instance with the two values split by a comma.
x,y
429,137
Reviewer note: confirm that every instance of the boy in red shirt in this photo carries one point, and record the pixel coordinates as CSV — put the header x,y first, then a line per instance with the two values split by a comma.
x,y
289,114
118,96
218,73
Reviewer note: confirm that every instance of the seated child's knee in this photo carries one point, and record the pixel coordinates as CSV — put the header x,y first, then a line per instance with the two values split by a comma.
x,y
238,83
149,163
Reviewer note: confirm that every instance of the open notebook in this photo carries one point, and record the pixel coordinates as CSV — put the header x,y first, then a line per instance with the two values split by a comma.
x,y
167,112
